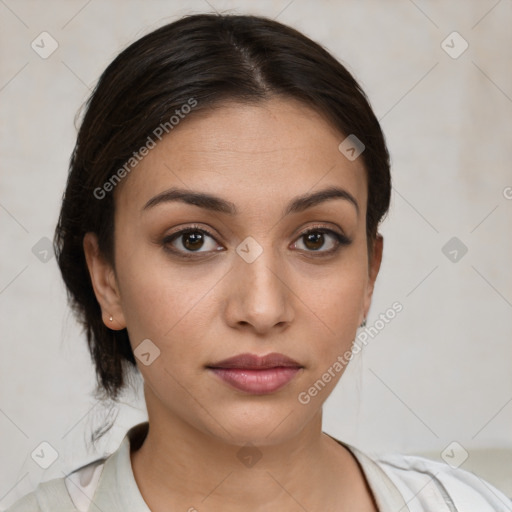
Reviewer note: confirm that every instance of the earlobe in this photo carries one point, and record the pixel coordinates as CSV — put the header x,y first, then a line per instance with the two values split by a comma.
x,y
104,284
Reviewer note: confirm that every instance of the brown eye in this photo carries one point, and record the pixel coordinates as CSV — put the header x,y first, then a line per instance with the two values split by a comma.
x,y
190,240
193,241
315,239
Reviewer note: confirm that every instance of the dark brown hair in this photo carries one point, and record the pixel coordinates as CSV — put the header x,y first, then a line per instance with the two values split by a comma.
x,y
208,58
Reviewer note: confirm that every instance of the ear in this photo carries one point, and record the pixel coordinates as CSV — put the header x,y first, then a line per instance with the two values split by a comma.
x,y
373,271
104,284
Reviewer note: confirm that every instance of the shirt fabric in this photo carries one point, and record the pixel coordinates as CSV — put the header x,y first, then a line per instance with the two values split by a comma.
x,y
399,483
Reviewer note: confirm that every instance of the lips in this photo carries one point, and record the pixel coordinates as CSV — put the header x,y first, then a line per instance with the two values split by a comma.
x,y
255,362
256,374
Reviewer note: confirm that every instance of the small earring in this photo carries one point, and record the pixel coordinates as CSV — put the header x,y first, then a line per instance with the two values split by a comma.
x,y
363,324
111,318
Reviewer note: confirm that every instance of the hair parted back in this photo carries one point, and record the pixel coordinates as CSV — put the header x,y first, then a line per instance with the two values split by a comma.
x,y
211,58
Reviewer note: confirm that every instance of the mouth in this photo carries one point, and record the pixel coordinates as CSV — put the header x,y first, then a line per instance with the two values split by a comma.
x,y
256,374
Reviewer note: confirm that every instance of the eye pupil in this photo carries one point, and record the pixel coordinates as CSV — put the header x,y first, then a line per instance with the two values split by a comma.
x,y
193,240
317,238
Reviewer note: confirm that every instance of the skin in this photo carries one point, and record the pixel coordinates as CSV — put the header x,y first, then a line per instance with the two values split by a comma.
x,y
290,300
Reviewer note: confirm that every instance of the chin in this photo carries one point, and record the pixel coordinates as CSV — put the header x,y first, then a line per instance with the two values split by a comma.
x,y
260,426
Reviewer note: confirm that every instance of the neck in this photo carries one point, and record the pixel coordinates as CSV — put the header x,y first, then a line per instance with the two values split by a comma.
x,y
180,467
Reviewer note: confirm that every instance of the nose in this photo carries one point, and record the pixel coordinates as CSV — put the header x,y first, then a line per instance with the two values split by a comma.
x,y
259,296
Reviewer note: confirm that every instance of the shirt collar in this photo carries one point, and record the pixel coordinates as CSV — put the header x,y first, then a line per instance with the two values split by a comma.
x,y
118,491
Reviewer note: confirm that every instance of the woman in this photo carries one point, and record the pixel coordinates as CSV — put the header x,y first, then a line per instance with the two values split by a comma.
x,y
219,232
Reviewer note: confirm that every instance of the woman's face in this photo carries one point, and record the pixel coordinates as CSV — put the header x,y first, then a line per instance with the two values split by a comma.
x,y
245,279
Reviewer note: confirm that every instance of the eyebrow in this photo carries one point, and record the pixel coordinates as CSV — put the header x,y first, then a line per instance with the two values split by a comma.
x,y
217,204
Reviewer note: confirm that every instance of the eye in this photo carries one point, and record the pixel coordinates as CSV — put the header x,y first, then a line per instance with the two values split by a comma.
x,y
317,237
194,239
190,240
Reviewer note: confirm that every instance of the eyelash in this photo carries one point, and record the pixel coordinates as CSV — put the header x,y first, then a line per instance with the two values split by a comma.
x,y
341,240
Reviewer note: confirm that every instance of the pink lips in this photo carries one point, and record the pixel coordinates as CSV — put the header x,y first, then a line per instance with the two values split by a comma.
x,y
256,374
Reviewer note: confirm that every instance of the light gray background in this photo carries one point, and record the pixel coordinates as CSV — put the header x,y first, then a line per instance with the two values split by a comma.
x,y
441,371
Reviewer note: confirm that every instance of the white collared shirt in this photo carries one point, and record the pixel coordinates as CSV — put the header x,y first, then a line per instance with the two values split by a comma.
x,y
399,483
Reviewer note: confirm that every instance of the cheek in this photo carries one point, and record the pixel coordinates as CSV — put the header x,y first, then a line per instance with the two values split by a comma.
x,y
333,307
163,308
332,330
339,298
156,297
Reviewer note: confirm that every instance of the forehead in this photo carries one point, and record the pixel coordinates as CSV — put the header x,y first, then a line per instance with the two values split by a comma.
x,y
248,153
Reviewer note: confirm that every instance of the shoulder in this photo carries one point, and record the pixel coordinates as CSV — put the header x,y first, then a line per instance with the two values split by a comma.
x,y
27,503
73,492
49,493
425,480
88,483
